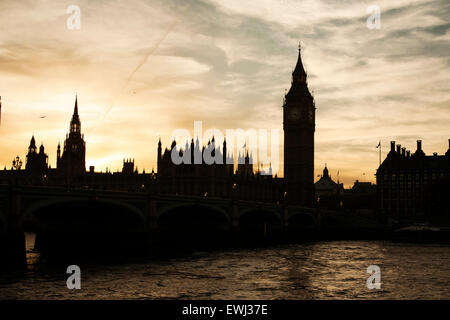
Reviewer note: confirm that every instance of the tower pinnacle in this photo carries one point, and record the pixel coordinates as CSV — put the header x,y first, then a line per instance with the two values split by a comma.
x,y
75,111
75,124
299,73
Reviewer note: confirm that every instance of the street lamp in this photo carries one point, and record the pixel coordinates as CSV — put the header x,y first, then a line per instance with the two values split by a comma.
x,y
16,164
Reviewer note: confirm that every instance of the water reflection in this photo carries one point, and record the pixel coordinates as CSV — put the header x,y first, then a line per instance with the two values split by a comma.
x,y
324,270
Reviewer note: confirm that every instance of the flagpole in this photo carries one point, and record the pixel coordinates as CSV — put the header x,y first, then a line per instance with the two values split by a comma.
x,y
379,147
380,152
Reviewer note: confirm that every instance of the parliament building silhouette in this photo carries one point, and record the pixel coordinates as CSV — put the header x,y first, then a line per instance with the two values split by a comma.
x,y
213,180
407,185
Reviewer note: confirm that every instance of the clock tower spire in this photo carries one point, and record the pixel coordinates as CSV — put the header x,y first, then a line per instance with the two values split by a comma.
x,y
299,127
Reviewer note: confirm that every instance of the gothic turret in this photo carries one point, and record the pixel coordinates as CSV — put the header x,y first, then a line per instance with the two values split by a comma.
x,y
32,147
325,172
36,164
73,159
224,151
158,160
75,123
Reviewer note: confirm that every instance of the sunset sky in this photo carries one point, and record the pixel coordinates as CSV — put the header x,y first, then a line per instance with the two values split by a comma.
x,y
143,68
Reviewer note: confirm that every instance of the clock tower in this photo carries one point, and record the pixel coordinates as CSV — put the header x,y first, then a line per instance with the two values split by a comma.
x,y
299,127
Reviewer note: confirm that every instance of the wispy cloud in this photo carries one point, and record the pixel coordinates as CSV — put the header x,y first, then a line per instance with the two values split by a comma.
x,y
226,63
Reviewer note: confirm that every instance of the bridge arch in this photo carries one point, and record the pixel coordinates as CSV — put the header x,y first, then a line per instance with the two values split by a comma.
x,y
187,211
191,225
259,224
301,219
189,206
30,212
83,227
264,211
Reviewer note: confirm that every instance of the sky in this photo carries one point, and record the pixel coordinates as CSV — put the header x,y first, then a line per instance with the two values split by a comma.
x,y
143,68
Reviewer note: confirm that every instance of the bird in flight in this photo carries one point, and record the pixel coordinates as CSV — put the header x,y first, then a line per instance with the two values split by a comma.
x,y
42,117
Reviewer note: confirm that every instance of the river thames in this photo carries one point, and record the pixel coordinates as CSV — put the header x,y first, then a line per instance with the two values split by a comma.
x,y
320,270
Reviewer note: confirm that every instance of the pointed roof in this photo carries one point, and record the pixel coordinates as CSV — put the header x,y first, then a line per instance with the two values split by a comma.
x,y
299,91
75,112
33,142
75,117
325,171
299,73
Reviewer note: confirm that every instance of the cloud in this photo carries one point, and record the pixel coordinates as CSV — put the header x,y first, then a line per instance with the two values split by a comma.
x,y
226,63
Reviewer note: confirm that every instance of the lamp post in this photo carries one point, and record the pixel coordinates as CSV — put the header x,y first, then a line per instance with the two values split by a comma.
x,y
234,192
16,164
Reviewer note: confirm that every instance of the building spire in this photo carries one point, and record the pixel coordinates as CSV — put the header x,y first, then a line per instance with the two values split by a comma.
x,y
33,141
75,111
325,171
299,91
75,124
299,73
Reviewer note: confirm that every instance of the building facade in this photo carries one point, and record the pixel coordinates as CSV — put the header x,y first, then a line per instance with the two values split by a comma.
x,y
413,187
221,178
218,179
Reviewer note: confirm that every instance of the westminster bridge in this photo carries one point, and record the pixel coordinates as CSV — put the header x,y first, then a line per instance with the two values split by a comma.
x,y
66,219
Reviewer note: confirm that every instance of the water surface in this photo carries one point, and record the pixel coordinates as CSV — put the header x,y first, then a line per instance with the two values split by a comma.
x,y
323,270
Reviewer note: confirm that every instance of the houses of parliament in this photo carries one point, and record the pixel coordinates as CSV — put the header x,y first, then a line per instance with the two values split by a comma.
x,y
208,180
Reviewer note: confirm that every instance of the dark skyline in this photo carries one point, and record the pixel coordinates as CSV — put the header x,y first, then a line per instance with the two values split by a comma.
x,y
228,67
224,149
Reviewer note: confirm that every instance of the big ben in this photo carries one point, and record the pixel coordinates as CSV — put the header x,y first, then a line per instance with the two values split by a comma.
x,y
299,126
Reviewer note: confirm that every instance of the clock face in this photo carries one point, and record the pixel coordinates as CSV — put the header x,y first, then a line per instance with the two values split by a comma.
x,y
294,114
311,115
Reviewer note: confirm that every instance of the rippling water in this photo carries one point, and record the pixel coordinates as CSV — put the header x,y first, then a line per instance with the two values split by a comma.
x,y
323,270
